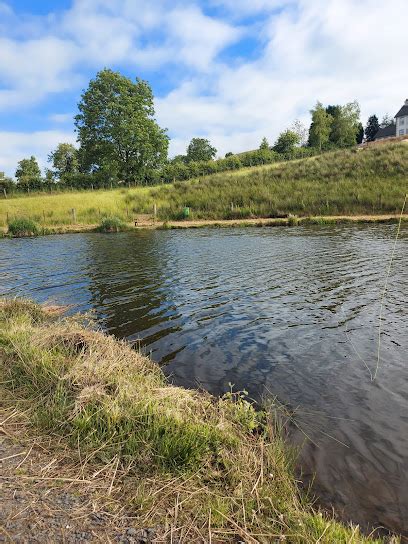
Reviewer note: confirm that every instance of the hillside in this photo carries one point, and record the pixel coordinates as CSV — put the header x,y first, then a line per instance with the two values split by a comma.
x,y
370,181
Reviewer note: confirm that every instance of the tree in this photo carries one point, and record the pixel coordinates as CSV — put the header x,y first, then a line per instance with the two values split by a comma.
x,y
286,142
200,149
228,154
346,124
320,127
372,127
360,134
299,128
28,173
64,160
116,128
386,121
264,145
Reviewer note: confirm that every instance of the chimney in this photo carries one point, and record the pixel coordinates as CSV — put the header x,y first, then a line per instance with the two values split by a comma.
x,y
406,102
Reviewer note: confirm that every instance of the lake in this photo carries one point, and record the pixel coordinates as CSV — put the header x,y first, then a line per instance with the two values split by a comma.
x,y
285,312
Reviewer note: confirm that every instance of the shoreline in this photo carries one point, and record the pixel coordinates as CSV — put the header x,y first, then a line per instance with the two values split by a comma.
x,y
165,457
224,223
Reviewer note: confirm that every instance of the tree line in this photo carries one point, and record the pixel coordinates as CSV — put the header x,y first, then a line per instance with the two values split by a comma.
x,y
120,142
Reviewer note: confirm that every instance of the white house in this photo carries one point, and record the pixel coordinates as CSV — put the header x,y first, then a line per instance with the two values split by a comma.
x,y
398,128
401,120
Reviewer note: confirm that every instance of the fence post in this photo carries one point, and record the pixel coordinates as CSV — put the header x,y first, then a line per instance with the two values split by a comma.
x,y
44,216
5,192
154,211
7,218
73,212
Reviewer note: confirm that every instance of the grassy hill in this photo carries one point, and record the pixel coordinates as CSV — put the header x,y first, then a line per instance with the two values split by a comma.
x,y
369,180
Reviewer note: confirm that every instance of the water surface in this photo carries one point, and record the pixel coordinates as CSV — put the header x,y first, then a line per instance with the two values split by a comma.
x,y
291,312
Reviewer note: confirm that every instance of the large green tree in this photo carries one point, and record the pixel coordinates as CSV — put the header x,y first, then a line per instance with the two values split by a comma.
x,y
286,142
346,124
320,128
64,160
116,128
28,173
372,127
200,149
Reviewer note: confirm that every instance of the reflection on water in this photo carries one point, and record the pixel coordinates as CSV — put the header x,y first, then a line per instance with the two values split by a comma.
x,y
289,312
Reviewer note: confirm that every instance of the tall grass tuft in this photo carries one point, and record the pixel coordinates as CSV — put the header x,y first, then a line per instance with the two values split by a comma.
x,y
23,227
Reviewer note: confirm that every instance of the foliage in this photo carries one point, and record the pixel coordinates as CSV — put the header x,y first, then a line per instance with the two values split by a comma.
x,y
345,125
372,127
64,160
360,133
302,132
320,127
343,182
200,149
21,227
264,145
386,121
28,173
112,224
117,130
286,142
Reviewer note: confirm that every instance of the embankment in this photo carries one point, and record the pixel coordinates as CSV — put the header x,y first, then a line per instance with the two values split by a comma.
x,y
214,469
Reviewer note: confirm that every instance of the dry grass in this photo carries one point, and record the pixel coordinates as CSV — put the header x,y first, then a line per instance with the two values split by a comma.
x,y
203,469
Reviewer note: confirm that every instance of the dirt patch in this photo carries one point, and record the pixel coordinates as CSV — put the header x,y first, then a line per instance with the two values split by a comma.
x,y
46,500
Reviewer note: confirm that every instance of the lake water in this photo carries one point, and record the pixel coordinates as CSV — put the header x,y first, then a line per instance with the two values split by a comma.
x,y
291,312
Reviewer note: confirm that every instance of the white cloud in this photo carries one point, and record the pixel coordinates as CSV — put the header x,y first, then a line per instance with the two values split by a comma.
x,y
15,146
332,50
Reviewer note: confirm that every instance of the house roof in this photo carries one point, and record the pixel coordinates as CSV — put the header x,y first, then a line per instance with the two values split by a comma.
x,y
386,132
403,111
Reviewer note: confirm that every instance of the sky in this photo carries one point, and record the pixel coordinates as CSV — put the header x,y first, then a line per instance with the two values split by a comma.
x,y
231,71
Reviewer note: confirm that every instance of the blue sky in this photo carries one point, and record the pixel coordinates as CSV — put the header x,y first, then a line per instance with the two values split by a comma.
x,y
230,70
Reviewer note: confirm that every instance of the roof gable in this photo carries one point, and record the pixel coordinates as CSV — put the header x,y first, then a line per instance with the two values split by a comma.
x,y
403,111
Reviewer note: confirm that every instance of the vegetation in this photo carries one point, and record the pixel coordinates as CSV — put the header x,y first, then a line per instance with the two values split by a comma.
x,y
112,224
217,466
64,160
23,227
345,182
116,128
28,173
373,126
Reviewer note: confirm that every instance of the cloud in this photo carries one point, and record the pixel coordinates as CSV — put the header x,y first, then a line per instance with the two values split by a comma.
x,y
15,146
305,50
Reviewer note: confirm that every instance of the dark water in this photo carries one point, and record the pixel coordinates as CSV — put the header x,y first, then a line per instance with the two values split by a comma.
x,y
289,312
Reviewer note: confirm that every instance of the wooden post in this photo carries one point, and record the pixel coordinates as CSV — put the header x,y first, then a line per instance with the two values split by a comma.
x,y
7,218
73,212
127,213
5,192
154,211
44,216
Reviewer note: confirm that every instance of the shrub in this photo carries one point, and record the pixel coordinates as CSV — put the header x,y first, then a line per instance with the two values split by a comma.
x,y
112,224
23,227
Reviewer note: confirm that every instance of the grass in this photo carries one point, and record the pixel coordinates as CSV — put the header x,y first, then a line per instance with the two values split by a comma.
x,y
369,181
213,465
23,227
112,224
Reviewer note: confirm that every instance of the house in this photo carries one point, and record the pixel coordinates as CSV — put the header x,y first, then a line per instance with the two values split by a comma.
x,y
398,128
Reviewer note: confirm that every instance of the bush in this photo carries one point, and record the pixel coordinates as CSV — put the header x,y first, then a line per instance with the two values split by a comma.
x,y
23,227
112,224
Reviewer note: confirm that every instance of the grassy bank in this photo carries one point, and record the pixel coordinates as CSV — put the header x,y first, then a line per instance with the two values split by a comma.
x,y
367,181
213,465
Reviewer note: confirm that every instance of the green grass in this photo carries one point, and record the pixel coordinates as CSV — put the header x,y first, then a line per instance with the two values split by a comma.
x,y
222,463
23,227
369,181
112,224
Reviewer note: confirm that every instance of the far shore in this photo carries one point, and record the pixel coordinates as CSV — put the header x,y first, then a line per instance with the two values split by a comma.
x,y
144,223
